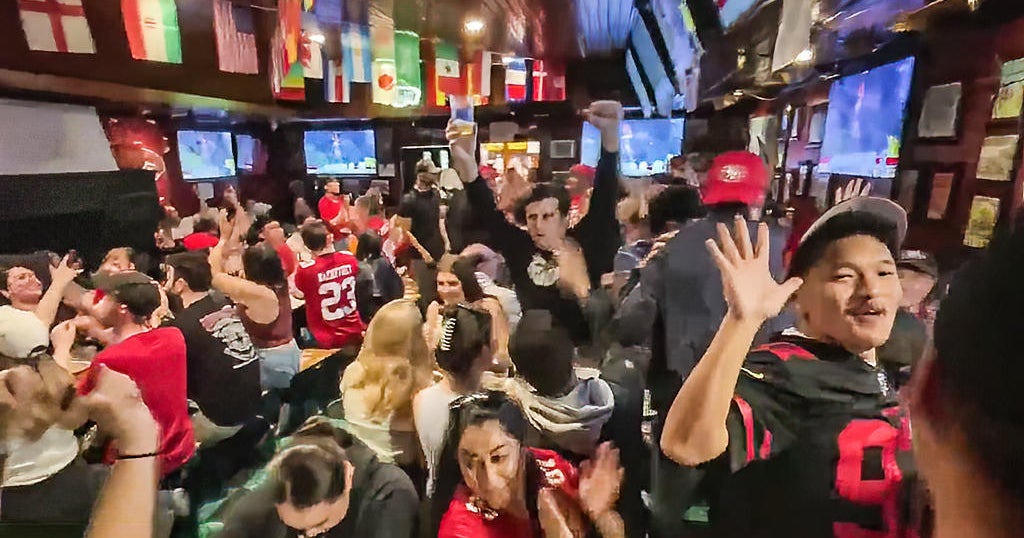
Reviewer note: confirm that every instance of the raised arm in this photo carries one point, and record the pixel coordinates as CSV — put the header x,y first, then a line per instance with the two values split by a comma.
x,y
695,428
260,300
598,231
60,277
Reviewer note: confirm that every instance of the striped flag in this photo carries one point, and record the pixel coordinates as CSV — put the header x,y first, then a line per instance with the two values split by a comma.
x,y
286,80
289,16
516,76
152,28
407,69
236,41
382,48
355,47
56,26
478,77
446,70
336,90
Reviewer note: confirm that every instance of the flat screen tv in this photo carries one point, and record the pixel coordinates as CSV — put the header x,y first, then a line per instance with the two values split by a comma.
x,y
645,146
864,123
205,155
343,153
245,151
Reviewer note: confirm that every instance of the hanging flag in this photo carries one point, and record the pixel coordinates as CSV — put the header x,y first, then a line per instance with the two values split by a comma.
x,y
236,39
286,80
446,69
515,80
328,11
335,87
548,80
355,47
56,26
152,28
409,88
478,77
289,14
308,5
311,57
794,33
382,48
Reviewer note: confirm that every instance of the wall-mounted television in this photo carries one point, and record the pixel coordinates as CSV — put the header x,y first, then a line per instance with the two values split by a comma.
x,y
245,153
645,146
343,153
864,123
205,155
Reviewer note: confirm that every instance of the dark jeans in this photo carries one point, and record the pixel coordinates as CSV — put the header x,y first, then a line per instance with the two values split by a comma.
x,y
65,497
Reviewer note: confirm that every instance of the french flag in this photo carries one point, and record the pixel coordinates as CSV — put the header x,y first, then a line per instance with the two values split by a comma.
x,y
516,78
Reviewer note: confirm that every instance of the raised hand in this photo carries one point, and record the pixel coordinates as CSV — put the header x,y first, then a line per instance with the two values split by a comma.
x,y
600,479
854,189
463,149
747,283
64,272
606,116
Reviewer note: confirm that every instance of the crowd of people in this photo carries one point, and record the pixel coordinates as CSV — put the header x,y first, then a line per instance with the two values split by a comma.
x,y
503,358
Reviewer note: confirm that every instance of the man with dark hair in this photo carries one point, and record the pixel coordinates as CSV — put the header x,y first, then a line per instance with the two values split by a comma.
x,y
328,284
223,371
419,212
804,436
334,211
965,399
117,260
25,321
153,358
325,483
267,230
553,268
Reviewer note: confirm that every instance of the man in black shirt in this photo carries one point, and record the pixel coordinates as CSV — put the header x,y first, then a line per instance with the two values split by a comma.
x,y
553,268
420,211
223,371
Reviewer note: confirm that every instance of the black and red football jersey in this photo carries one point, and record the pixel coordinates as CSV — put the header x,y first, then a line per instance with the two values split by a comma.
x,y
818,447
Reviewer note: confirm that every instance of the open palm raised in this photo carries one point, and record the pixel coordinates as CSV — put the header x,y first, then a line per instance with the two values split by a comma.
x,y
747,283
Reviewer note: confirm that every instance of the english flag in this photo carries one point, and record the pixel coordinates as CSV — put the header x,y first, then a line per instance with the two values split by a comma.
x,y
56,26
236,39
516,78
152,29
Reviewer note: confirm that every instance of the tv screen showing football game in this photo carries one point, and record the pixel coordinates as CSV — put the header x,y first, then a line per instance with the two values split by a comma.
x,y
864,124
245,150
352,153
205,154
645,146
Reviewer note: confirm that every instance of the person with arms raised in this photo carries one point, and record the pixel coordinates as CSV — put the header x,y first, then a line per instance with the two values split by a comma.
x,y
553,268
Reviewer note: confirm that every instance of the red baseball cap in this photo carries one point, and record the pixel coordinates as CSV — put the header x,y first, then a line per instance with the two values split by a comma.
x,y
736,176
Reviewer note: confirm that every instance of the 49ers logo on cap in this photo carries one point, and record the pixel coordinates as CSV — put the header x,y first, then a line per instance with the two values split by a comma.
x,y
733,173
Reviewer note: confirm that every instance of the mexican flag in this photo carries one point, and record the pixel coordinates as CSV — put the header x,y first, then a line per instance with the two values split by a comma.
x,y
152,28
446,65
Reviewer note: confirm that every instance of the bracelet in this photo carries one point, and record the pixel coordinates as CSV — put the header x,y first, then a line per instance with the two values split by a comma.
x,y
137,456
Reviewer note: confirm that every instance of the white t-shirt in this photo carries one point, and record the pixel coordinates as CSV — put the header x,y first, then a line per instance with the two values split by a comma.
x,y
35,461
21,332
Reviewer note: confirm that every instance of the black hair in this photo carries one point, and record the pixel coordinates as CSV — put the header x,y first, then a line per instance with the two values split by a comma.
x,y
129,253
839,227
464,334
140,299
193,267
314,235
476,410
297,188
252,236
4,273
678,203
263,266
978,357
311,469
368,246
543,191
205,224
543,352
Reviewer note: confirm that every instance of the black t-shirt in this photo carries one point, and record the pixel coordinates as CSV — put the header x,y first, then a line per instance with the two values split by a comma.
x,y
223,370
817,448
424,208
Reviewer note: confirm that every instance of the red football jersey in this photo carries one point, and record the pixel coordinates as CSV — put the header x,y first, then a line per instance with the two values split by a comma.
x,y
329,286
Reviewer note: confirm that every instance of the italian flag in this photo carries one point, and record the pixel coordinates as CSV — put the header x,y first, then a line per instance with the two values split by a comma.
x,y
152,28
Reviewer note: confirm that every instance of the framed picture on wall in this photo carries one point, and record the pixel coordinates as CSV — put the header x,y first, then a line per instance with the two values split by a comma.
x,y
1010,98
941,112
997,155
982,222
939,195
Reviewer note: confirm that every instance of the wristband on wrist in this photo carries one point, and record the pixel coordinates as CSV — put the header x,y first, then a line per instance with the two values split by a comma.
x,y
137,456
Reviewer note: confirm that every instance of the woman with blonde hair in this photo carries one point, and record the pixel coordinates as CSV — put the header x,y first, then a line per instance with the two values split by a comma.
x,y
377,389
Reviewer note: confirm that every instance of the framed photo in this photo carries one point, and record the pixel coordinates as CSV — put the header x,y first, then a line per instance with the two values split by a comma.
x,y
982,222
997,157
939,195
941,112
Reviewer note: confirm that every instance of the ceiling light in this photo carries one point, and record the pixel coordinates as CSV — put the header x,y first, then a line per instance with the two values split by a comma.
x,y
805,56
474,26
319,39
738,93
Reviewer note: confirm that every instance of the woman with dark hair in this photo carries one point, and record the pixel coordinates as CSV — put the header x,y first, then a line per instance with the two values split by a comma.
x,y
265,309
325,482
377,283
456,284
490,485
464,354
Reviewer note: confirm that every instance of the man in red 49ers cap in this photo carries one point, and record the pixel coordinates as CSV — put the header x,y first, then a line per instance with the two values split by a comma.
x,y
736,177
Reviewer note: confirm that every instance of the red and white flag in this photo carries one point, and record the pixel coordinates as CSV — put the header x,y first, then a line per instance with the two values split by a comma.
x,y
336,88
56,26
516,78
548,81
236,39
